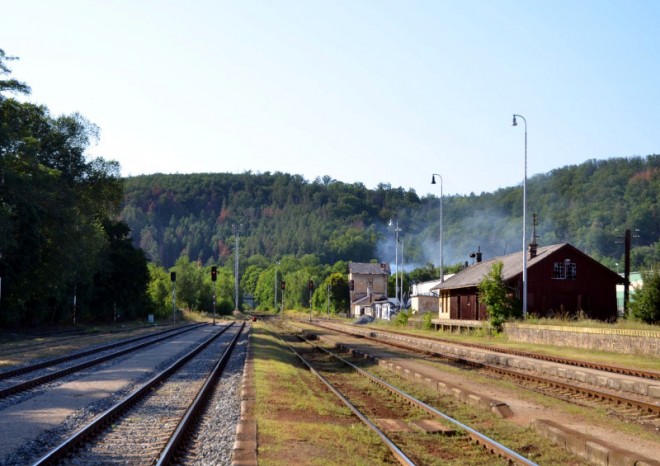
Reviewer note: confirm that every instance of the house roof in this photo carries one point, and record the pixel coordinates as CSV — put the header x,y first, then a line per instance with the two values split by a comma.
x,y
368,268
511,266
370,300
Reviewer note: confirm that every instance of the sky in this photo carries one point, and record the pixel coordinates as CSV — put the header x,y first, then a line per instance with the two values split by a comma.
x,y
362,91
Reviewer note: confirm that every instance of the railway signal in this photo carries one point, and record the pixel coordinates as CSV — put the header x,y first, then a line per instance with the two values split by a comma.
x,y
214,273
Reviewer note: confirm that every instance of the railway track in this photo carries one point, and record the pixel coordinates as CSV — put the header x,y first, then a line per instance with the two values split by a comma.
x,y
154,422
37,344
639,409
409,427
12,382
609,368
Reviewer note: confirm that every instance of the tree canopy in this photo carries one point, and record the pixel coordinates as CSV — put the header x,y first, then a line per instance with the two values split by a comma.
x,y
60,239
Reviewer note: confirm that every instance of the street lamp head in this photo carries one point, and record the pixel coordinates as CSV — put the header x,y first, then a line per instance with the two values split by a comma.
x,y
432,179
515,123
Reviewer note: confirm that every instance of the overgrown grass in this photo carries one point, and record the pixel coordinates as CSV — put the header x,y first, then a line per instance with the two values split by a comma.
x,y
570,322
482,336
520,439
299,420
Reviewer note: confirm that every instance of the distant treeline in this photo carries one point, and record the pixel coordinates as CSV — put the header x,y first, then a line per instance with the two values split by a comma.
x,y
588,205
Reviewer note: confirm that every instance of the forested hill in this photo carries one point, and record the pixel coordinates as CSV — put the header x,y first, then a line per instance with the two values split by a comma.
x,y
277,214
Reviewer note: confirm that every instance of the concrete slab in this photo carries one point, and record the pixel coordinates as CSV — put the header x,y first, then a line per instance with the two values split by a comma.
x,y
432,427
394,425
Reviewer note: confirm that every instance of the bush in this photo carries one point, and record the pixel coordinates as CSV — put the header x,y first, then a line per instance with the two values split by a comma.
x,y
493,293
646,304
426,321
401,319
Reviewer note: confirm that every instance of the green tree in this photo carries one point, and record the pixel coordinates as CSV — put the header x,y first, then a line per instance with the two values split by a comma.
x,y
337,285
122,282
493,293
10,85
646,303
53,205
160,291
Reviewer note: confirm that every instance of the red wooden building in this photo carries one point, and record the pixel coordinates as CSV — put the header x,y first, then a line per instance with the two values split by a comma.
x,y
560,280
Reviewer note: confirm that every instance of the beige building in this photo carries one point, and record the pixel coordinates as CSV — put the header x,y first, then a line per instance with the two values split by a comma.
x,y
368,284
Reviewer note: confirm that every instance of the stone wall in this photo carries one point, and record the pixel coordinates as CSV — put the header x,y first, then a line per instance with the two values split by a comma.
x,y
644,342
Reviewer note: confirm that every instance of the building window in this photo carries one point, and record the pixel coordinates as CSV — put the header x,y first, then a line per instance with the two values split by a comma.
x,y
571,270
565,270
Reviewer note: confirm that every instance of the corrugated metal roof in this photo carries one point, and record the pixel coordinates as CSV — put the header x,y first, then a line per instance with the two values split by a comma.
x,y
368,268
511,266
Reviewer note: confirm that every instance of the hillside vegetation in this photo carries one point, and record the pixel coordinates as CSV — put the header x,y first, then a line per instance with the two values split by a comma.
x,y
588,205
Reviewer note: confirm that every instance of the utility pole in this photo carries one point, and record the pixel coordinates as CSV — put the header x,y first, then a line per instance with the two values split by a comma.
x,y
310,285
395,224
173,280
214,277
236,227
627,244
275,295
626,271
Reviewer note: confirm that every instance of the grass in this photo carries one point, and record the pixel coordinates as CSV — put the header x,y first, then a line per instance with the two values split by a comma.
x,y
627,324
520,439
595,416
299,420
644,362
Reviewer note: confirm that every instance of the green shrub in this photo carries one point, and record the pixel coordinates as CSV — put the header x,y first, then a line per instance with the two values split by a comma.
x,y
426,321
401,319
646,304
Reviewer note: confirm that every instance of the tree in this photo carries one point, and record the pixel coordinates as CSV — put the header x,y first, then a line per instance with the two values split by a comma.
x,y
646,303
493,293
160,291
337,284
53,205
10,85
121,285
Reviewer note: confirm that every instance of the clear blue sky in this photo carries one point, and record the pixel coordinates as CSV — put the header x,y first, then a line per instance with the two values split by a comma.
x,y
364,91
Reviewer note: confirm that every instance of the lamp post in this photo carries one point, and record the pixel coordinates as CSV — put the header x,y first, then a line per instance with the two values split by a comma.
x,y
524,229
395,224
442,270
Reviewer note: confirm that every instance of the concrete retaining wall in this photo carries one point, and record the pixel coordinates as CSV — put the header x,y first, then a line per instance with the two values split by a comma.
x,y
644,342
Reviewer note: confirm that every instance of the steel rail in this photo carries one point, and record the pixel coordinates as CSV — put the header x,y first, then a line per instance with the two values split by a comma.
x,y
482,439
194,412
69,357
651,408
105,418
646,374
8,348
23,386
591,393
396,451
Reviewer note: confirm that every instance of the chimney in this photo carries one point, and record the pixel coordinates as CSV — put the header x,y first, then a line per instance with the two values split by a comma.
x,y
533,245
476,255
